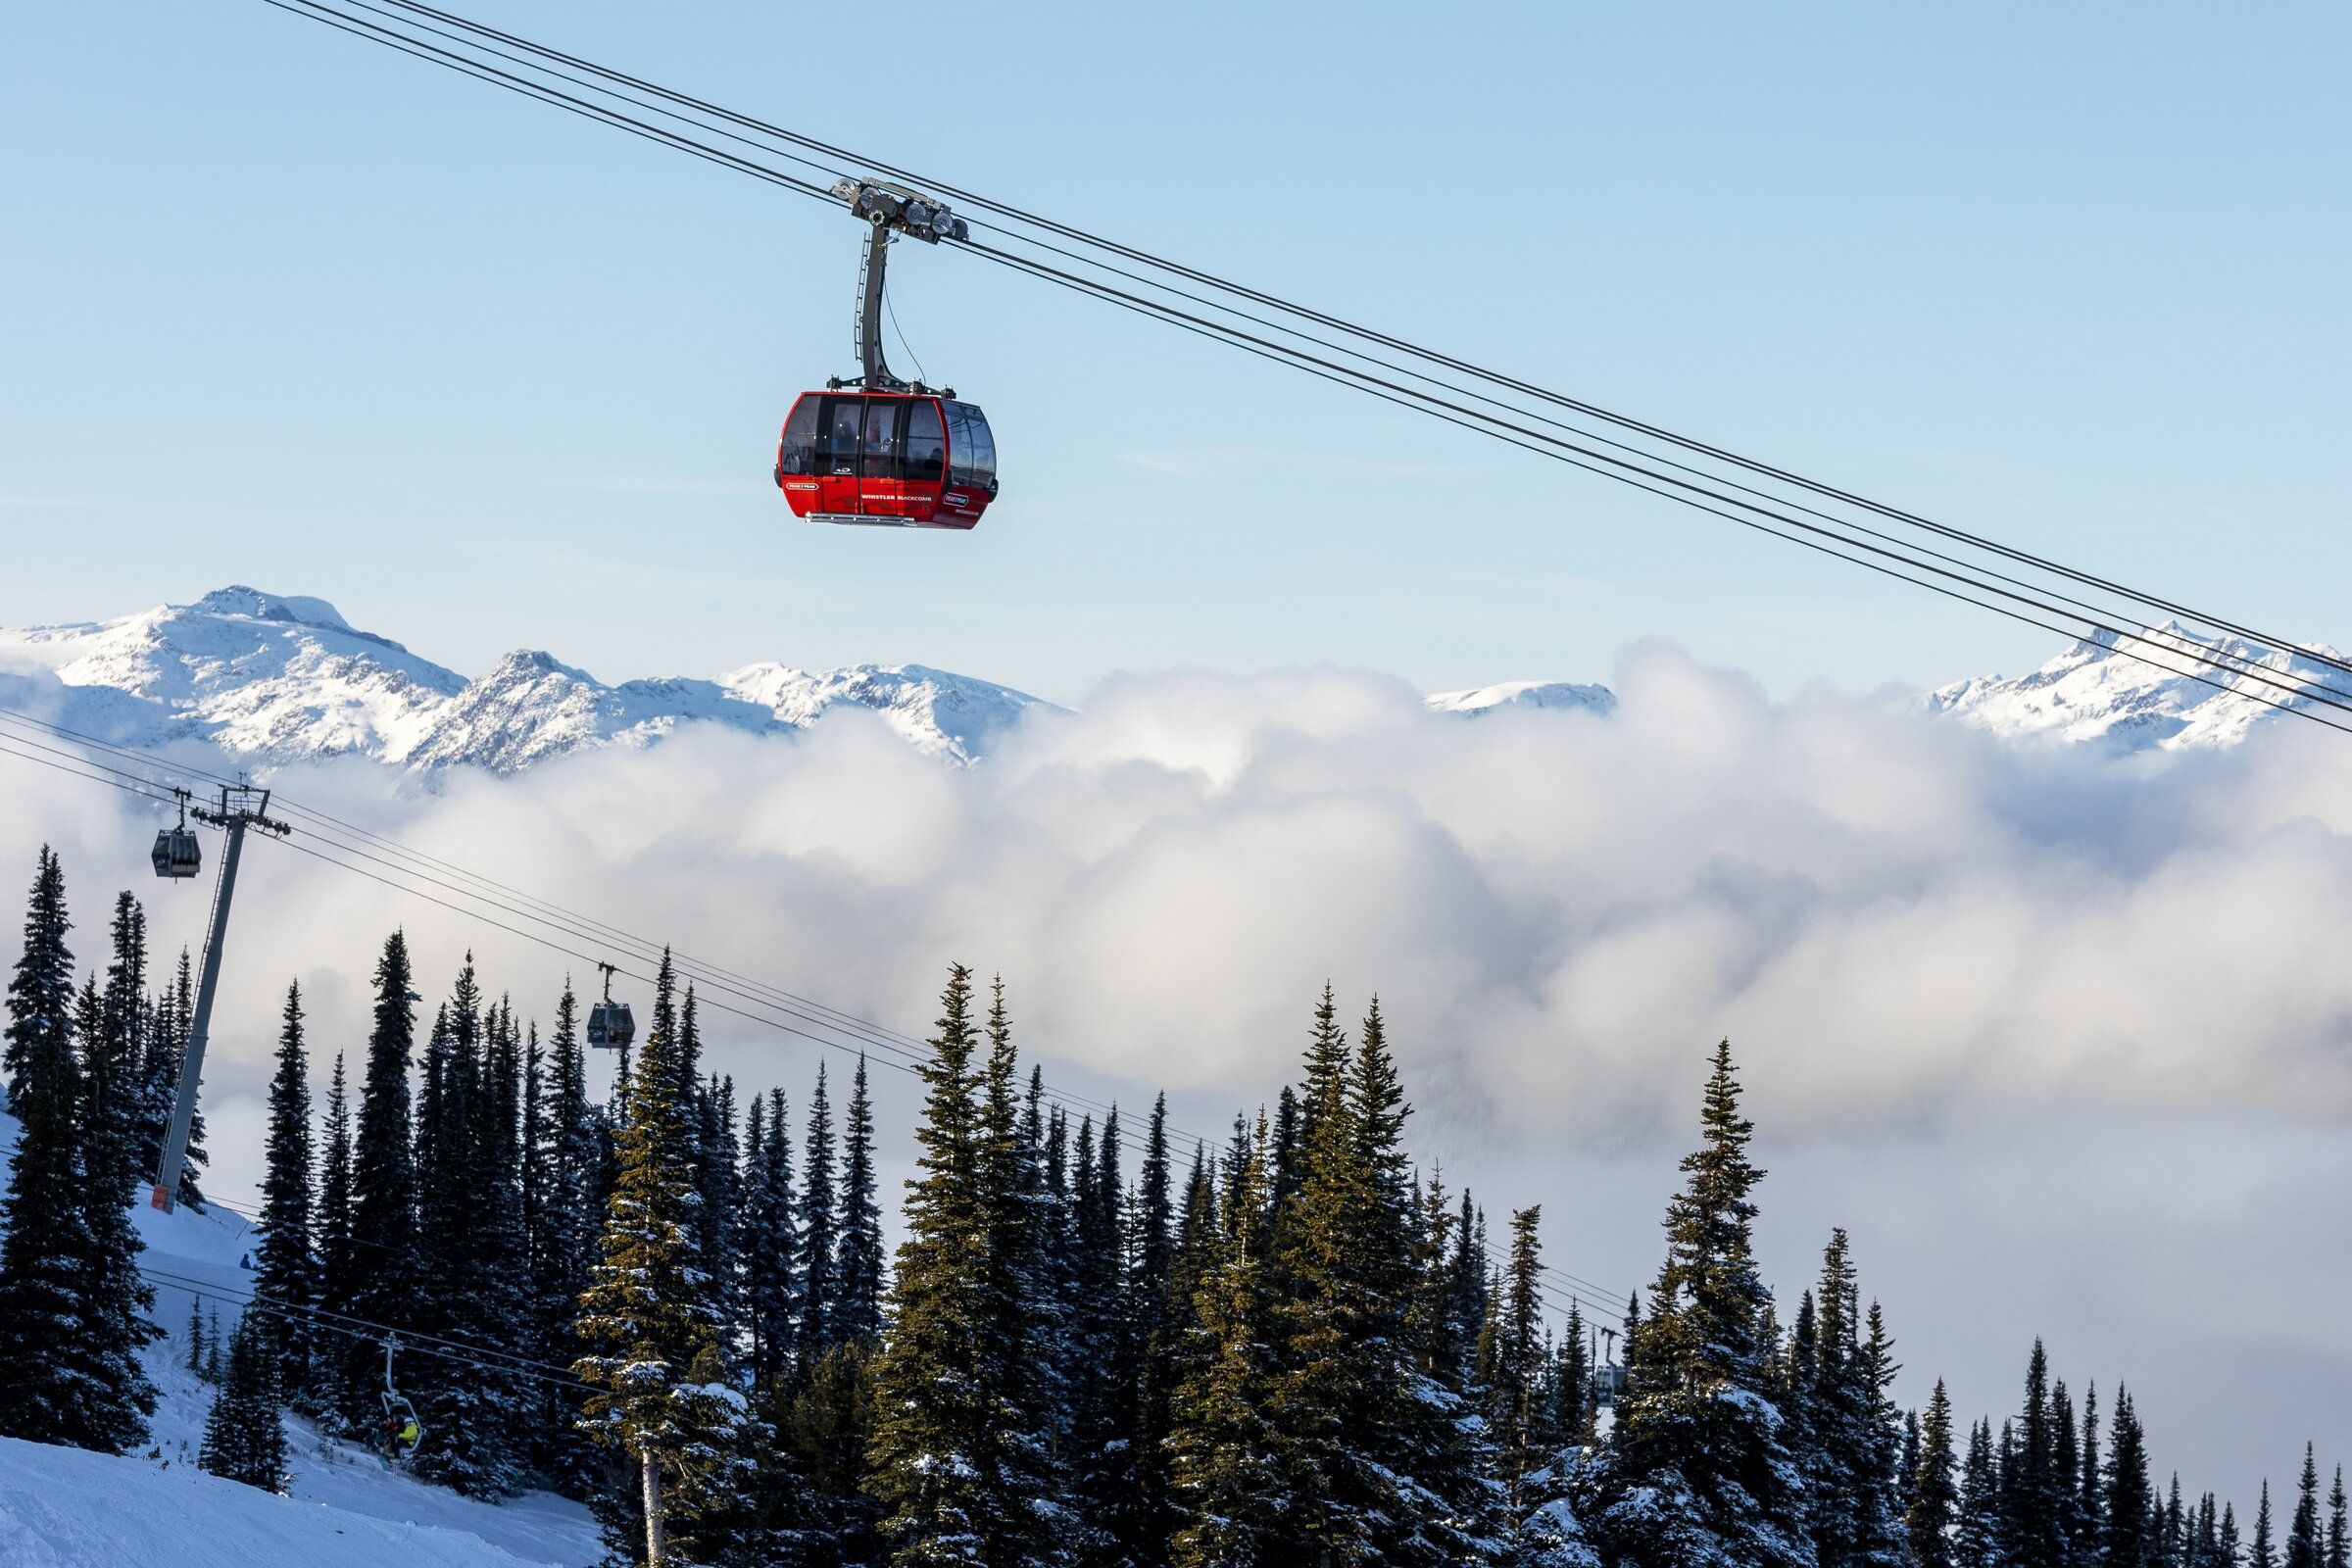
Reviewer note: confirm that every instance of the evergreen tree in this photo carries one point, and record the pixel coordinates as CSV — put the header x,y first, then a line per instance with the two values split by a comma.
x,y
43,1316
1022,1325
1226,1465
572,1159
195,1362
933,1464
2090,1480
115,1297
2260,1551
718,1182
829,1430
1977,1542
2128,1540
474,1284
2339,1543
1093,1331
1699,1467
338,1249
286,1272
129,1014
40,992
858,1251
2065,1481
819,1214
73,1305
171,1016
2304,1546
386,1268
1516,1364
1935,1496
244,1438
1146,1518
1363,1436
770,1239
653,1353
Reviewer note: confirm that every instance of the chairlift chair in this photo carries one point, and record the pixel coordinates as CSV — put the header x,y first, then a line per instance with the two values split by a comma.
x,y
400,1416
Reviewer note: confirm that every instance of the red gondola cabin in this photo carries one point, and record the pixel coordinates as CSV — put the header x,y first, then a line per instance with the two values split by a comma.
x,y
890,459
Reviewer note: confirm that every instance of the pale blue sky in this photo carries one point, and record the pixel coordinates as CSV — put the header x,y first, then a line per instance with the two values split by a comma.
x,y
285,308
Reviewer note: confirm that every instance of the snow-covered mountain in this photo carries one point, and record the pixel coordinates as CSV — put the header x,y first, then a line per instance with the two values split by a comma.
x,y
2096,692
272,679
1555,694
276,678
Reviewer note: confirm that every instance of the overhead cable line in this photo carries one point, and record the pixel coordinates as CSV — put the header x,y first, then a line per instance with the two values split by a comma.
x,y
2161,644
841,155
480,1357
539,53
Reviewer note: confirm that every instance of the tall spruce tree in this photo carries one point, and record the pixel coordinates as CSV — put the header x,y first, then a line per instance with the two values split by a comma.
x,y
819,1216
1934,1504
1093,1332
770,1239
1227,1471
572,1158
653,1336
116,1298
286,1271
338,1249
243,1436
858,1251
1517,1361
41,1310
1700,1470
172,1015
719,1180
1023,1316
130,1017
386,1267
933,1450
1977,1540
2129,1538
73,1305
1146,1520
2262,1551
40,990
2304,1543
2339,1538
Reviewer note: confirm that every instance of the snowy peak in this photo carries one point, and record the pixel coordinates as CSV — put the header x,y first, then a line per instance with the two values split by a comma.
x,y
1544,694
265,676
953,717
282,679
254,605
2140,693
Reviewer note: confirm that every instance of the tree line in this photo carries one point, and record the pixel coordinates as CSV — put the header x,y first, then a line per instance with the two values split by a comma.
x,y
1289,1348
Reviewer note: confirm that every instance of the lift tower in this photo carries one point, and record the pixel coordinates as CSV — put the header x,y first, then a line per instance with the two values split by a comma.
x,y
241,807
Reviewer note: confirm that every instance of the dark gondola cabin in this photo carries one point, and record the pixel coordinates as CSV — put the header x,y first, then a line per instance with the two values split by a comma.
x,y
888,459
177,854
611,1025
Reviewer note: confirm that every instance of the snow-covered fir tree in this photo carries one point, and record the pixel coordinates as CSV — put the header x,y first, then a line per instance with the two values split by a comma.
x,y
286,1271
244,1438
1699,1473
653,1353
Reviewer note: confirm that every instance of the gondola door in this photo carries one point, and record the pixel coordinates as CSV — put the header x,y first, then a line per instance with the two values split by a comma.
x,y
840,449
881,467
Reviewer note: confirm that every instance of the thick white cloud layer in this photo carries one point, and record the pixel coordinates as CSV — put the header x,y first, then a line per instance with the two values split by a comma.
x,y
1945,962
